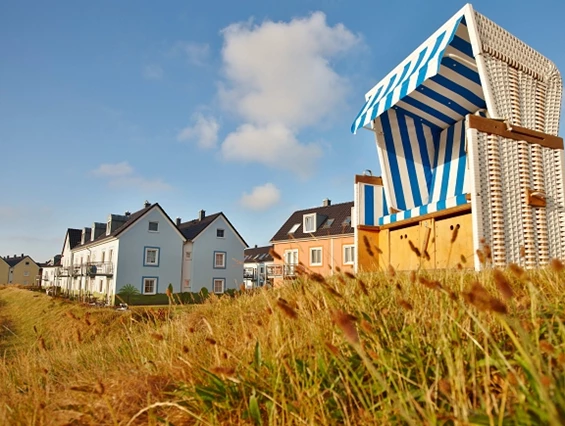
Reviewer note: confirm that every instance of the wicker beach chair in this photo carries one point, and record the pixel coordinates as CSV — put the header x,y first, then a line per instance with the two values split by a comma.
x,y
472,167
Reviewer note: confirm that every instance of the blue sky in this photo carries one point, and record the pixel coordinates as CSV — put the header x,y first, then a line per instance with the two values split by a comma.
x,y
242,107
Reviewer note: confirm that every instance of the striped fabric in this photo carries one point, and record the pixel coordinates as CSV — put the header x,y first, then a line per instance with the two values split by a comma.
x,y
422,210
372,204
448,178
437,84
406,163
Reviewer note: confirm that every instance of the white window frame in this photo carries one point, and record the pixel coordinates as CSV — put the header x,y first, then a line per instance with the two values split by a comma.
x,y
149,226
223,233
145,260
108,226
351,248
294,228
217,280
312,250
145,279
306,218
224,255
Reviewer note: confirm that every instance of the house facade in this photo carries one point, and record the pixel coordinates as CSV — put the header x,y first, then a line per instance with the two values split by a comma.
x,y
256,262
21,270
321,239
212,254
142,249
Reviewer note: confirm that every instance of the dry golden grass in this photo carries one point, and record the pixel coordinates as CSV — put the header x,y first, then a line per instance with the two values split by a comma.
x,y
382,348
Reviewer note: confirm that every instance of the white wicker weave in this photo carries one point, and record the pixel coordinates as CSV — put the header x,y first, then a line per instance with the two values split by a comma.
x,y
523,88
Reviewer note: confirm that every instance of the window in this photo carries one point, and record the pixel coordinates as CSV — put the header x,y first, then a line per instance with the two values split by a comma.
x,y
219,285
347,221
149,285
153,226
103,256
111,254
188,255
328,223
316,256
27,263
348,255
220,259
108,227
294,228
26,273
219,233
310,222
26,282
151,256
101,286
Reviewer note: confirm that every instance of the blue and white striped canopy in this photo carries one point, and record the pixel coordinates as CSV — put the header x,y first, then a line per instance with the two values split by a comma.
x,y
438,83
417,112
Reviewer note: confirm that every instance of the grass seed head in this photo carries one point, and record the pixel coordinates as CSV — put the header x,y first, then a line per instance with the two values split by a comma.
x,y
346,323
414,249
546,347
405,304
516,270
502,284
274,254
455,233
556,265
363,286
286,309
211,341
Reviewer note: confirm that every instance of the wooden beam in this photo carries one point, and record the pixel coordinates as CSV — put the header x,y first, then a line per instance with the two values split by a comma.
x,y
435,215
368,228
499,128
371,180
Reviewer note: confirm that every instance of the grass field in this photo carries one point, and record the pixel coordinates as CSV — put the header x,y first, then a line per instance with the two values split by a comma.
x,y
382,348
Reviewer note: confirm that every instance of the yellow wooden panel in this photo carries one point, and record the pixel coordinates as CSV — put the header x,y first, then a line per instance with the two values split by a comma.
x,y
402,256
367,253
384,246
447,253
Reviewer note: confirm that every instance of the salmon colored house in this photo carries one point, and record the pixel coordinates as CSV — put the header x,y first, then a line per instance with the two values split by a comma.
x,y
320,238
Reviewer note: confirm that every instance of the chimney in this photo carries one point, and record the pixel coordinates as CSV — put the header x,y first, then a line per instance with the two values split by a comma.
x,y
255,245
201,214
146,204
22,255
177,221
127,213
326,202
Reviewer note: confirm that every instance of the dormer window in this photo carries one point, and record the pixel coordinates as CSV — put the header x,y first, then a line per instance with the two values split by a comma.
x,y
309,222
108,227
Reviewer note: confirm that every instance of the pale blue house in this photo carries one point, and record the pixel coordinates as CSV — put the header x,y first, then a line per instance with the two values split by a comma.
x,y
213,254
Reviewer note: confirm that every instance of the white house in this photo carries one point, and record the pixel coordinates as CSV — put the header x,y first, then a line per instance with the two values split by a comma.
x,y
213,254
143,249
256,260
49,272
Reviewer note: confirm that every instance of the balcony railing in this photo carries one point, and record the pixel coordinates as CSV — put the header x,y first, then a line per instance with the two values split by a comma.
x,y
99,268
250,273
281,270
62,271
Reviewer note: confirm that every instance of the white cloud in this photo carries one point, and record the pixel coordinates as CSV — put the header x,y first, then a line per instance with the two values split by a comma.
x,y
273,145
204,131
122,175
113,170
261,197
152,72
279,79
196,53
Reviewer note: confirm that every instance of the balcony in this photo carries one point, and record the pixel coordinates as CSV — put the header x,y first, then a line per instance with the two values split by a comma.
x,y
250,274
93,269
281,270
62,271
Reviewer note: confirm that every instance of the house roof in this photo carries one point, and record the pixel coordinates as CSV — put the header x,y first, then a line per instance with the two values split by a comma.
x,y
340,225
257,254
74,237
193,228
14,260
